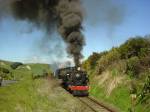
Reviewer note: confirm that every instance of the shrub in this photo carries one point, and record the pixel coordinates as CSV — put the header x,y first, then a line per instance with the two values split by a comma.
x,y
94,58
144,52
6,74
4,70
119,66
106,60
15,65
134,47
144,96
133,66
43,74
85,65
91,62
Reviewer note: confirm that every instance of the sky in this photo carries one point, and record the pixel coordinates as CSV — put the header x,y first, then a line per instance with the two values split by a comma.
x,y
19,40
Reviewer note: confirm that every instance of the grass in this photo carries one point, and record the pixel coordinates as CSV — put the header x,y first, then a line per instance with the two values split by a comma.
x,y
38,95
119,97
23,96
39,69
17,74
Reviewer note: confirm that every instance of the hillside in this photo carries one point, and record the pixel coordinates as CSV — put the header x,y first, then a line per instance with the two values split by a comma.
x,y
121,76
34,91
16,70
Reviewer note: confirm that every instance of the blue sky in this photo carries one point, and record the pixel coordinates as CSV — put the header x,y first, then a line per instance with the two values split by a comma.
x,y
18,40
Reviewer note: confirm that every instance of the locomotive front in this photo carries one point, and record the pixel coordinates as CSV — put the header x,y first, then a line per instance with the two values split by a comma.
x,y
74,80
78,84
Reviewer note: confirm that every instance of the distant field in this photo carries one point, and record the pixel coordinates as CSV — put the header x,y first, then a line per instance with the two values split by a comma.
x,y
36,70
22,96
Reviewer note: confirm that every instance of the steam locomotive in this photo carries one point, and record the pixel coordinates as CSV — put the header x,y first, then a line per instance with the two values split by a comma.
x,y
74,80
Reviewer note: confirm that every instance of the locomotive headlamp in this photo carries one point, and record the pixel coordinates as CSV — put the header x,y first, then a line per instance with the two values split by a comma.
x,y
78,68
77,75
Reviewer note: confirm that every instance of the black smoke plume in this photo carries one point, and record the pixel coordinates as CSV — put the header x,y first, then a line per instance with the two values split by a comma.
x,y
66,14
70,25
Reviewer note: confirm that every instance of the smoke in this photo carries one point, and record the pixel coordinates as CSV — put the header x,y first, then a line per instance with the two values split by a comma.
x,y
53,47
67,16
70,25
47,14
57,65
106,13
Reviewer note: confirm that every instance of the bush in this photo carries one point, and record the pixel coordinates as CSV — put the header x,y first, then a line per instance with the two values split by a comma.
x,y
145,62
94,58
133,66
106,60
144,52
134,47
15,65
91,62
6,74
136,66
40,75
4,70
85,65
144,96
119,66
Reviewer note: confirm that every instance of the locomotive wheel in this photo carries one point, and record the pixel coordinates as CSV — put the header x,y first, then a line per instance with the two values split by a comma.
x,y
74,93
80,93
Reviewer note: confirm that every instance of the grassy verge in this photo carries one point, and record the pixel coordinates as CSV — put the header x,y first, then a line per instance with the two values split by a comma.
x,y
22,96
38,95
120,98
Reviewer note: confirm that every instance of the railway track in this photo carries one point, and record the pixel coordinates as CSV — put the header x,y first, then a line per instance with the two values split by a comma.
x,y
94,105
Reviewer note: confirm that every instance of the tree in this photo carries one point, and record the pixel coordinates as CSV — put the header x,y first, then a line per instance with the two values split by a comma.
x,y
133,66
134,47
106,60
16,65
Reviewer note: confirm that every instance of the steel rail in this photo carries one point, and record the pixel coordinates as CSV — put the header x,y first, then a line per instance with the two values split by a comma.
x,y
101,106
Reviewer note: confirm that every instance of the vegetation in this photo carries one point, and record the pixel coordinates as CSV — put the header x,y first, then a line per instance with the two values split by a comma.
x,y
144,95
113,73
5,70
38,95
21,96
120,76
40,70
13,70
15,65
